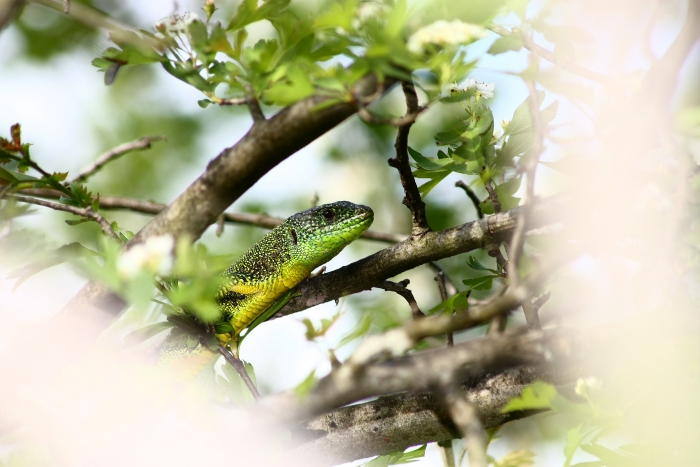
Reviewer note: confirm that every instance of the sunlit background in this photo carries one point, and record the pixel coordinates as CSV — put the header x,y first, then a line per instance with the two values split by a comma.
x,y
626,206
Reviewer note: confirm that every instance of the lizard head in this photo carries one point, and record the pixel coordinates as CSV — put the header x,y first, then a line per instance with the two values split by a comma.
x,y
320,233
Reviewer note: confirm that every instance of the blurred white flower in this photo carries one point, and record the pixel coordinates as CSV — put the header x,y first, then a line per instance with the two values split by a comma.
x,y
444,32
368,10
176,23
586,386
154,256
484,89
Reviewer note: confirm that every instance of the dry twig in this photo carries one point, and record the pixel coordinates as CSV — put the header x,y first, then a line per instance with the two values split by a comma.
x,y
412,199
472,196
240,369
82,212
113,154
402,289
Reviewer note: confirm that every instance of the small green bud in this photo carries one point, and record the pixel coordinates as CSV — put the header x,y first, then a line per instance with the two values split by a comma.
x,y
209,8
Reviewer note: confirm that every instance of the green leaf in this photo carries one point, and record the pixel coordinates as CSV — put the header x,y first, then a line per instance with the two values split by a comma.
x,y
425,188
204,103
146,332
573,440
480,283
295,86
396,458
248,12
428,163
506,44
538,395
223,328
473,263
457,302
361,329
609,457
305,386
267,314
233,385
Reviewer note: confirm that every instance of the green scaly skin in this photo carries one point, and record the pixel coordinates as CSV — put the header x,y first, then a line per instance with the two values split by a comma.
x,y
279,262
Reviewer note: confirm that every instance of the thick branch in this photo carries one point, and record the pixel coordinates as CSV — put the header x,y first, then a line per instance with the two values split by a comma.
x,y
420,370
226,178
394,423
414,251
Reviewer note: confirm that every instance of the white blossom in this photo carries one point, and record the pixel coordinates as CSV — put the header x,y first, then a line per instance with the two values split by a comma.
x,y
154,256
444,32
585,386
176,23
484,89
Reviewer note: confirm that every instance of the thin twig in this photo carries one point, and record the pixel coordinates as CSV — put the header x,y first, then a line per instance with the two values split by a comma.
x,y
367,116
8,10
113,154
448,453
257,220
449,284
472,196
401,289
464,416
532,317
518,239
399,340
66,6
82,212
493,197
220,225
412,198
440,279
539,303
550,57
240,368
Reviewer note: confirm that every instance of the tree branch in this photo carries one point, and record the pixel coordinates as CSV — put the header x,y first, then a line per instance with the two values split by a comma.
x,y
550,57
412,200
465,416
113,154
82,212
227,177
518,240
396,422
402,289
239,366
417,371
415,251
8,10
472,196
256,220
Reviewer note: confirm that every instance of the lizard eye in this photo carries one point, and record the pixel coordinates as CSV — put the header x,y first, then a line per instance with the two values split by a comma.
x,y
328,214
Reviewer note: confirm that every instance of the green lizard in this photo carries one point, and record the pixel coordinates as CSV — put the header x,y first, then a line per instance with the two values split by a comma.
x,y
274,265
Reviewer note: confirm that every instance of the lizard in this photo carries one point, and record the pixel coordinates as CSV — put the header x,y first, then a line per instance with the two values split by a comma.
x,y
273,266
